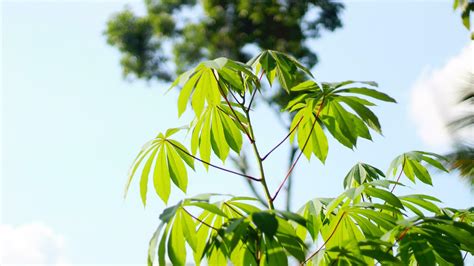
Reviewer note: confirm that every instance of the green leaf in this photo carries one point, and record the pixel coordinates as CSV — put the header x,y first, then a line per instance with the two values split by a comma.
x,y
231,133
153,243
420,201
189,229
384,195
343,121
368,228
183,153
218,137
414,209
274,253
185,94
169,213
176,244
446,250
143,153
202,235
145,174
347,82
172,131
239,198
362,173
333,128
307,85
369,92
205,142
334,203
198,98
293,217
266,222
208,207
364,113
176,168
282,66
408,170
161,177
162,246
423,252
320,143
420,172
434,163
292,246
381,219
294,124
311,137
458,231
247,208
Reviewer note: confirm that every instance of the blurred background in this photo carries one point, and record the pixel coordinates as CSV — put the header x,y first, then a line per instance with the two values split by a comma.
x,y
83,88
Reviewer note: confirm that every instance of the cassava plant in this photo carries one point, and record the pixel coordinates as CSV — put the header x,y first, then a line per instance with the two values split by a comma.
x,y
365,225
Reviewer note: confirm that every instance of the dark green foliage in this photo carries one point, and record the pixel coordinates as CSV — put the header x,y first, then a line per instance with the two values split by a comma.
x,y
149,43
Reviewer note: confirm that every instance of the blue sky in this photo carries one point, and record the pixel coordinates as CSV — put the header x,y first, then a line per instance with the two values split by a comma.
x,y
71,125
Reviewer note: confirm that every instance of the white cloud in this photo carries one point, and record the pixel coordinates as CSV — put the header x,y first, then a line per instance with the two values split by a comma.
x,y
31,244
434,99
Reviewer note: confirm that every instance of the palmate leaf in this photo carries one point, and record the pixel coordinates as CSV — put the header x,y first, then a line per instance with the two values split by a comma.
x,y
364,233
278,65
182,228
274,231
165,160
217,129
411,166
362,173
227,230
211,80
327,102
433,240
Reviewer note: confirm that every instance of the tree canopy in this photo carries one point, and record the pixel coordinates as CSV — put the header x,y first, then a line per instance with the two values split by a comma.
x,y
174,35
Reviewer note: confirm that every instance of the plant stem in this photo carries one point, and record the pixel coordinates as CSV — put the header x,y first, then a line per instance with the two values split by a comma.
x,y
260,163
251,99
289,185
399,175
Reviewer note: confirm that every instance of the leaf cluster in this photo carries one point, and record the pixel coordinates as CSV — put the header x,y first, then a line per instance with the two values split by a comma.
x,y
365,225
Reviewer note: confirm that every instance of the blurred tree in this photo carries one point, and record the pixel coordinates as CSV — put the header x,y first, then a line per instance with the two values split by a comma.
x,y
183,32
466,7
174,35
462,158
